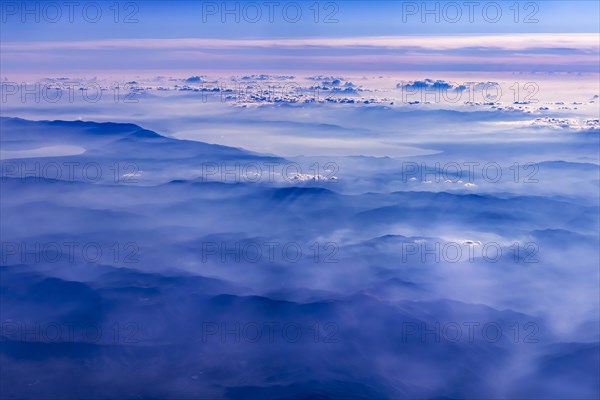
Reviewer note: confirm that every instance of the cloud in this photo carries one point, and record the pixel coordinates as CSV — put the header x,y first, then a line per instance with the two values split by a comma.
x,y
195,79
554,52
581,41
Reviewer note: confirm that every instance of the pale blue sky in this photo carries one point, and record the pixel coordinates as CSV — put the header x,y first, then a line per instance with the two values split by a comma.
x,y
36,36
180,19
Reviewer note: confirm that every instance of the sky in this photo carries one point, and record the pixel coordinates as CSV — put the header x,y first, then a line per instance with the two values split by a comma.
x,y
41,38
